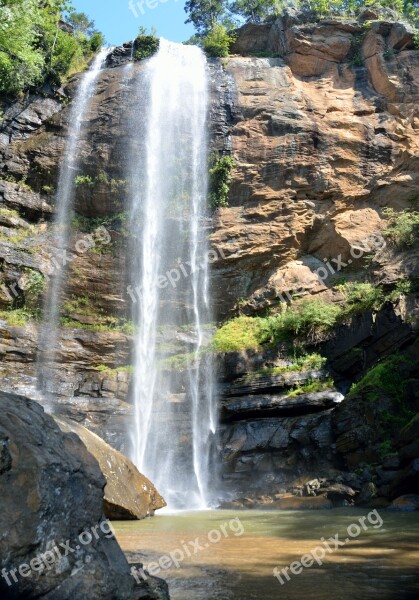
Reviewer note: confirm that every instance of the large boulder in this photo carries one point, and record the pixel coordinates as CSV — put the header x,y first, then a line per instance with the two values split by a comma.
x,y
55,541
128,493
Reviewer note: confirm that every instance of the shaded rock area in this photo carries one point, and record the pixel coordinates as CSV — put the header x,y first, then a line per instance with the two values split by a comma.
x,y
278,442
52,497
128,494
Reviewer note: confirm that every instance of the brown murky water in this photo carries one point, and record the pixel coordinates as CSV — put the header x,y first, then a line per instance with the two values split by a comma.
x,y
233,554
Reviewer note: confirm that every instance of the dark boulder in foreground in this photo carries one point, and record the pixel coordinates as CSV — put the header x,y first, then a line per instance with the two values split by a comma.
x,y
55,542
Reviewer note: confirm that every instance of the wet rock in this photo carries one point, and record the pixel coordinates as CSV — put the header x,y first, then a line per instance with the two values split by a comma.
x,y
368,492
255,383
128,494
304,503
51,493
407,503
337,492
265,406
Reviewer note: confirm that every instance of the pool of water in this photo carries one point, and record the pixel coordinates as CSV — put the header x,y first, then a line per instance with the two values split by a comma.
x,y
226,555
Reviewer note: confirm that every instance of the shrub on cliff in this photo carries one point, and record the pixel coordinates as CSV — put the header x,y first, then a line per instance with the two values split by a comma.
x,y
403,227
220,180
238,334
311,319
217,42
145,45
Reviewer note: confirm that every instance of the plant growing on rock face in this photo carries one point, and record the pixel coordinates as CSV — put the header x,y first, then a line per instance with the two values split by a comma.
x,y
83,180
403,227
34,288
361,296
220,180
145,44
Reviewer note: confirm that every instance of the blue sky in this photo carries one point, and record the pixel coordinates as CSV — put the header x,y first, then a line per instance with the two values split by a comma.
x,y
119,23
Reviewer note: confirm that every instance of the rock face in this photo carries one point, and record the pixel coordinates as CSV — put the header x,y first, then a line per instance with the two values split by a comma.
x,y
318,145
323,130
52,493
127,494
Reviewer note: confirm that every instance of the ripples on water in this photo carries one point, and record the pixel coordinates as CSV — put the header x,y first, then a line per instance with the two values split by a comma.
x,y
379,564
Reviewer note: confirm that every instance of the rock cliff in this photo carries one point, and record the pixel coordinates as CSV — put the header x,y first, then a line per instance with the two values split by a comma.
x,y
321,121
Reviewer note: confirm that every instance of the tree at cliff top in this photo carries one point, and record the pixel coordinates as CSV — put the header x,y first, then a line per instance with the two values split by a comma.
x,y
36,48
204,14
256,11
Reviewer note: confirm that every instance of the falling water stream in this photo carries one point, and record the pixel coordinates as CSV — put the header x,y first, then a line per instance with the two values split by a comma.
x,y
174,412
48,335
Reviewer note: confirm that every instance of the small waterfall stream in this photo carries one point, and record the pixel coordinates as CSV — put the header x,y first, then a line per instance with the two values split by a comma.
x,y
174,409
48,334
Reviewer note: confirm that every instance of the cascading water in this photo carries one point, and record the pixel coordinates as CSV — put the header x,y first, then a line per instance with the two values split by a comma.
x,y
174,409
48,335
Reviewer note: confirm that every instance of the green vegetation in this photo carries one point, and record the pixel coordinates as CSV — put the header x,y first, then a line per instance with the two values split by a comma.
x,y
85,307
305,362
217,41
230,14
114,371
387,379
220,180
34,288
386,449
9,213
83,180
309,319
311,387
361,296
403,227
101,178
237,334
19,235
35,47
117,222
19,317
145,44
108,324
306,320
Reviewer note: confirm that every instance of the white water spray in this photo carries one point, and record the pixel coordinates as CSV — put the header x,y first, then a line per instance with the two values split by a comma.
x,y
174,412
48,335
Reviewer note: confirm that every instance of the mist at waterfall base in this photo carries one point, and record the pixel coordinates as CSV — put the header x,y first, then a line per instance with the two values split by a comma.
x,y
174,424
49,329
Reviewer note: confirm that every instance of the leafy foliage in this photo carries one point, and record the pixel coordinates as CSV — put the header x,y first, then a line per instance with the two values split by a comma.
x,y
204,14
220,180
403,227
36,47
217,42
361,296
145,45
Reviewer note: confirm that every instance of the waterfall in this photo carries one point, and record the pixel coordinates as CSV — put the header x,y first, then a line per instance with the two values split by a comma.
x,y
49,329
174,408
